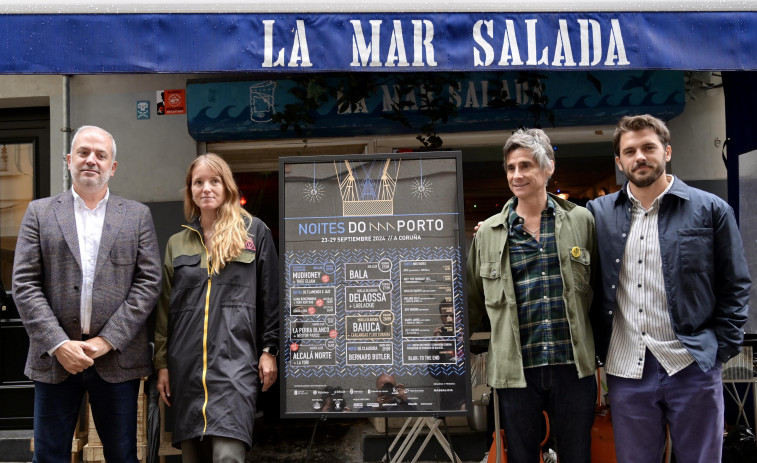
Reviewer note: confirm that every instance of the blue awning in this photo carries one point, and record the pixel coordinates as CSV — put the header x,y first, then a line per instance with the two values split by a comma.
x,y
381,42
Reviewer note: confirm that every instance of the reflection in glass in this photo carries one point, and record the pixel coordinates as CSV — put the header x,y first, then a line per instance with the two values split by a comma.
x,y
16,191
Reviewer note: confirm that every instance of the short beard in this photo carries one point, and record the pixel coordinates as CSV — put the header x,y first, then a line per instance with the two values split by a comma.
x,y
86,182
642,182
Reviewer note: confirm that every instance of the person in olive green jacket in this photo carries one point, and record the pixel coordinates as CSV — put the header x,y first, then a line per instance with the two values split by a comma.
x,y
530,269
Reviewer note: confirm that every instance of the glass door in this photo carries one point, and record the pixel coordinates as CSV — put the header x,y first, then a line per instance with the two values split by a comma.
x,y
16,191
24,176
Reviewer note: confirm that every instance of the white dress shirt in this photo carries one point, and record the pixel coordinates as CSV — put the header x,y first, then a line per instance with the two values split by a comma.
x,y
643,321
89,227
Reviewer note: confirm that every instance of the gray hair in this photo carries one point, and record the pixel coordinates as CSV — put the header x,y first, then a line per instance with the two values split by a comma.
x,y
91,127
535,141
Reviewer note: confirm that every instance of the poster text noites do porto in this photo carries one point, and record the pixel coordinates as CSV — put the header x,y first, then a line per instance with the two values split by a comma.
x,y
372,281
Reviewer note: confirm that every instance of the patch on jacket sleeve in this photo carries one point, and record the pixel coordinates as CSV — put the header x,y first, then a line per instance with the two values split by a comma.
x,y
249,244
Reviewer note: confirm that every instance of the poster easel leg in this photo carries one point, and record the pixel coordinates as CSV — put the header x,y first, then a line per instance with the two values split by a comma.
x,y
388,447
312,437
416,429
405,442
451,450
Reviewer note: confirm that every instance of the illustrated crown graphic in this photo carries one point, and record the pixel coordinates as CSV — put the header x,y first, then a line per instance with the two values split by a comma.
x,y
367,196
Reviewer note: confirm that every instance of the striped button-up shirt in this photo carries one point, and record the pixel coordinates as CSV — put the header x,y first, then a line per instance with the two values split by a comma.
x,y
643,320
535,265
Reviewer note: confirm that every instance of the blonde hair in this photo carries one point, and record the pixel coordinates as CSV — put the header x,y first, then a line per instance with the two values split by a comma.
x,y
232,221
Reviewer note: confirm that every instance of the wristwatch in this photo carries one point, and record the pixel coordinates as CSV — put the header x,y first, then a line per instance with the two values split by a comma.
x,y
271,350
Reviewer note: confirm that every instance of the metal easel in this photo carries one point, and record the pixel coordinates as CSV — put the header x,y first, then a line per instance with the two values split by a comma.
x,y
416,429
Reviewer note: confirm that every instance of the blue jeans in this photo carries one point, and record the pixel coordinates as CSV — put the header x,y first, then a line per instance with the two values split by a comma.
x,y
114,410
570,403
690,402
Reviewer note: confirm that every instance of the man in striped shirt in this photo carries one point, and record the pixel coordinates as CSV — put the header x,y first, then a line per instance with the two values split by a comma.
x,y
671,303
529,269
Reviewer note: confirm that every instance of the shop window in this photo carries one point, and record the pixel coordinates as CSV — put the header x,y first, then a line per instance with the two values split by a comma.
x,y
16,191
24,176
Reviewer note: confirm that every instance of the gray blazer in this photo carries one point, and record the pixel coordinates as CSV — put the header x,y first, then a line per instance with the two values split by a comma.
x,y
47,277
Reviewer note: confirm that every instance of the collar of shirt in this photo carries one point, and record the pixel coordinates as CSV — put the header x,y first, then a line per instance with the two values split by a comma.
x,y
514,219
79,201
657,200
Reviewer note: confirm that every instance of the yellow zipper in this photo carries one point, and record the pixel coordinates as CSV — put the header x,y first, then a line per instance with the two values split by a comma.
x,y
205,334
205,351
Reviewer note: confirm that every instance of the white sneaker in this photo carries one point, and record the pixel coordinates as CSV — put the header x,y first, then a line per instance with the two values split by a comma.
x,y
549,456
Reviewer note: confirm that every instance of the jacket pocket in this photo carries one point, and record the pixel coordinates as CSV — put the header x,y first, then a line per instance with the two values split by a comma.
x,y
239,272
246,257
135,356
41,361
236,338
181,261
493,282
580,266
187,272
123,253
696,246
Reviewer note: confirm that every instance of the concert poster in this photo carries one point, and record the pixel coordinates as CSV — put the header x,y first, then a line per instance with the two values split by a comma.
x,y
372,277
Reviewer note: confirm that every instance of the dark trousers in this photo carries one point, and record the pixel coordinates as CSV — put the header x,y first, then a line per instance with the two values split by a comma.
x,y
570,403
690,402
114,410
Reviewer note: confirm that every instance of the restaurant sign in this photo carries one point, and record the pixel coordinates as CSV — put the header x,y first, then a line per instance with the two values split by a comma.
x,y
371,42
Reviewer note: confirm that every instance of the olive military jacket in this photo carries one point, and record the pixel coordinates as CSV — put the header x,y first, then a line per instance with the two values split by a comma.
x,y
490,288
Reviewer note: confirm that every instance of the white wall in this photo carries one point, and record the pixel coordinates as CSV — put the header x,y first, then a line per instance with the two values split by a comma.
x,y
26,91
693,133
153,154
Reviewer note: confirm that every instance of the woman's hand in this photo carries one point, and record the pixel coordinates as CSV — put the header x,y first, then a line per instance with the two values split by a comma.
x,y
163,387
267,370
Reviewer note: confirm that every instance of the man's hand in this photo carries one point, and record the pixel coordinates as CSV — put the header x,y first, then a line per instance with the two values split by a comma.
x,y
74,356
97,346
267,370
163,387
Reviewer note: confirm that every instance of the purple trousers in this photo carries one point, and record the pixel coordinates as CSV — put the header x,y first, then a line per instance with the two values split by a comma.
x,y
689,402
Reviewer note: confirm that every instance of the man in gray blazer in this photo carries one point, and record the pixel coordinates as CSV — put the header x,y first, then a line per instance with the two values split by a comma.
x,y
86,275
